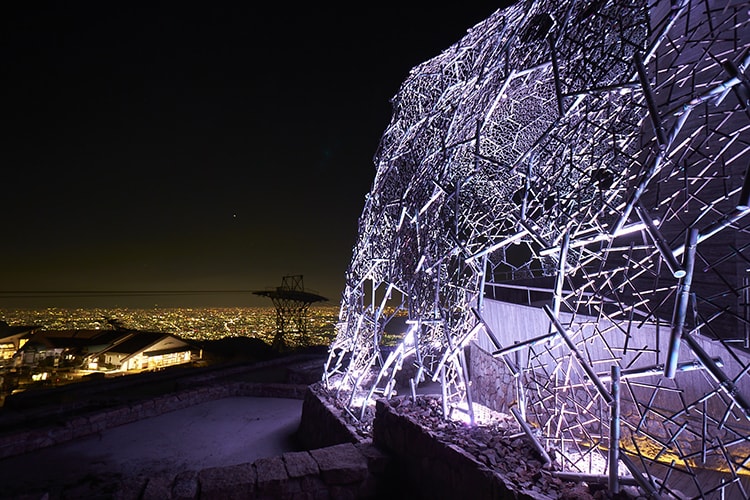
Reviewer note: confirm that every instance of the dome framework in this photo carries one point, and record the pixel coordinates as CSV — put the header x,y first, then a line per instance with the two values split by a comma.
x,y
586,163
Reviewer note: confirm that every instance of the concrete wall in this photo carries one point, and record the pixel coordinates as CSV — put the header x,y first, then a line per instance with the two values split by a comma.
x,y
647,344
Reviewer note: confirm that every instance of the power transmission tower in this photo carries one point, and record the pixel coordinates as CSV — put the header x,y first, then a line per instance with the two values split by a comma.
x,y
292,305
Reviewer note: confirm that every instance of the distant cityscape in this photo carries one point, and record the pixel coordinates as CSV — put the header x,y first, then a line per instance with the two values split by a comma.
x,y
188,323
56,346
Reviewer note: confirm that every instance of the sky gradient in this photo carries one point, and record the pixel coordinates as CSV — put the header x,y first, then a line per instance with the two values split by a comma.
x,y
175,148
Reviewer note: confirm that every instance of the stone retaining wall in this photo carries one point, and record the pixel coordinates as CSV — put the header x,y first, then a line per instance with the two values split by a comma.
x,y
322,424
350,469
337,472
428,468
492,384
401,460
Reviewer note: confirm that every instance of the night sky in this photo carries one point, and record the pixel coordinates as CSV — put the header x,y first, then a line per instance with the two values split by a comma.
x,y
214,147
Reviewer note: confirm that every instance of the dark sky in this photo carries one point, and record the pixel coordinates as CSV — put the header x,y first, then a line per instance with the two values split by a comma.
x,y
156,147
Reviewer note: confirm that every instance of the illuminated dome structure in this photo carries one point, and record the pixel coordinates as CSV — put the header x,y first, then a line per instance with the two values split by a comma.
x,y
566,189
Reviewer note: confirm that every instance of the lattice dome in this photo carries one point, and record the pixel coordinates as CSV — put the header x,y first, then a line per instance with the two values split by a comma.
x,y
566,187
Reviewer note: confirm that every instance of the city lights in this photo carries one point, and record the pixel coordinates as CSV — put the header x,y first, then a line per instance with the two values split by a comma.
x,y
187,323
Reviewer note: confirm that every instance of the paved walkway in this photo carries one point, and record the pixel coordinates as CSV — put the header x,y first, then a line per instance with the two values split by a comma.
x,y
216,433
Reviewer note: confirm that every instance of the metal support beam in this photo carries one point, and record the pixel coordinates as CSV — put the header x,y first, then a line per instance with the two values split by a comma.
x,y
650,101
683,298
718,374
661,243
530,434
614,433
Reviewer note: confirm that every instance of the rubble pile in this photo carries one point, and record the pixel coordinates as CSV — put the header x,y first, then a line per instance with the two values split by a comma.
x,y
504,448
